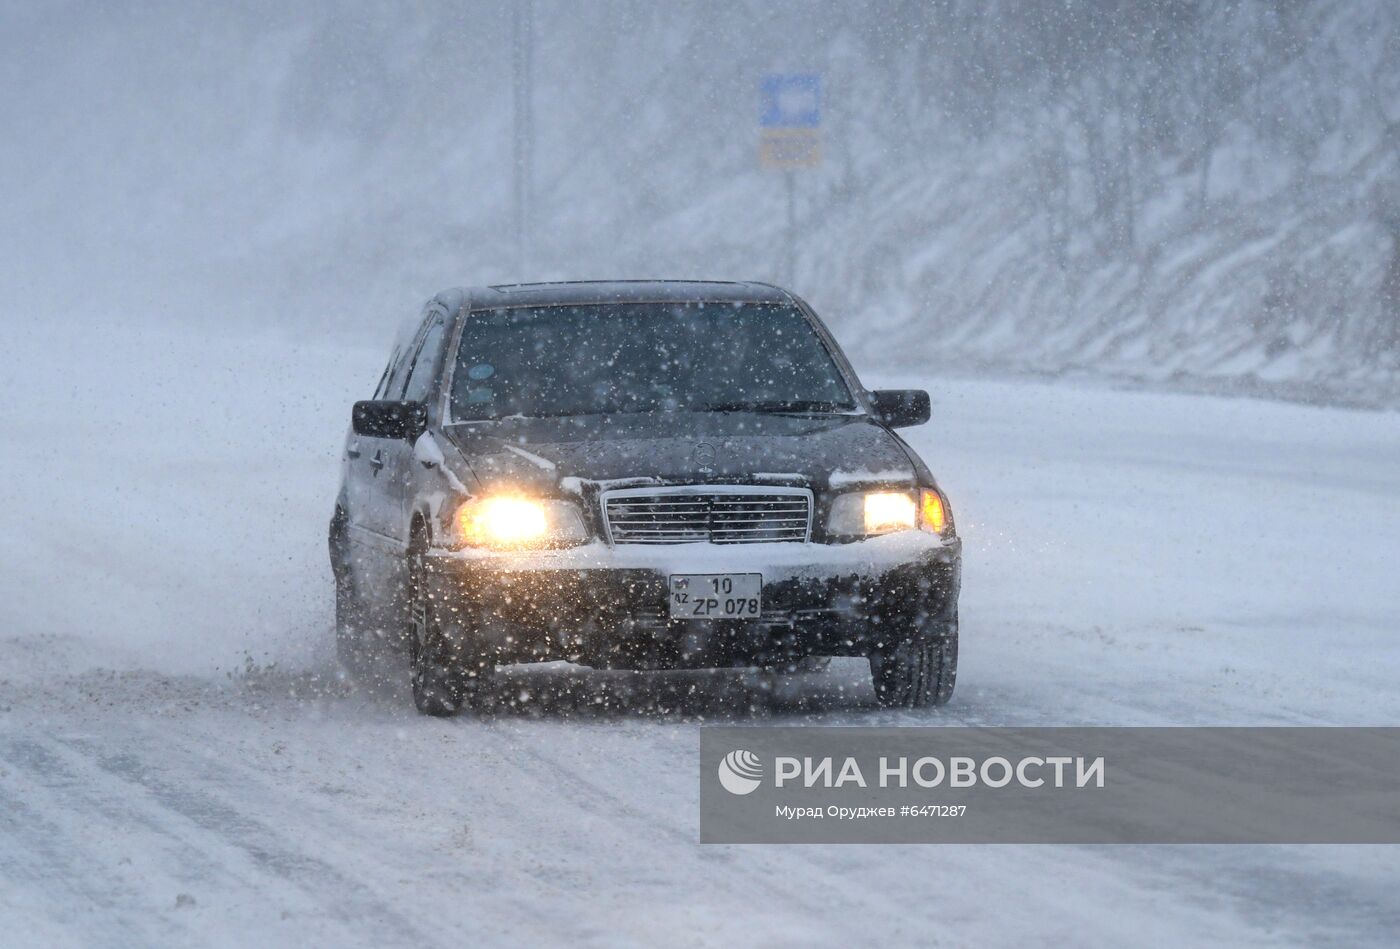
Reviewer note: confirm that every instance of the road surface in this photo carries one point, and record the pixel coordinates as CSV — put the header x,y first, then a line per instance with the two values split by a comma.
x,y
181,763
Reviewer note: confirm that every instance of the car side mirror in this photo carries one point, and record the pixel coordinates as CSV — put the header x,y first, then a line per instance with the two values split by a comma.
x,y
899,408
387,419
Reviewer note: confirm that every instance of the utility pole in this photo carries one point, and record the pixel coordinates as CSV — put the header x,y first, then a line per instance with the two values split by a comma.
x,y
522,61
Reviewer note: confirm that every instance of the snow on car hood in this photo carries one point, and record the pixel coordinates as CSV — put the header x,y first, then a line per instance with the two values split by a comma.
x,y
679,447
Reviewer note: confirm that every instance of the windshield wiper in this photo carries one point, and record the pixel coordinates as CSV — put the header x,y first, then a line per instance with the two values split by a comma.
x,y
776,407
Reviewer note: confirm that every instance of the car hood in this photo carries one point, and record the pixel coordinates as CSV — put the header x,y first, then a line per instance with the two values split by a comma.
x,y
561,454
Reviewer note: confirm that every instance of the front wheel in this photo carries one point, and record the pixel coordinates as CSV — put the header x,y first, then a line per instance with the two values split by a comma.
x,y
917,674
445,673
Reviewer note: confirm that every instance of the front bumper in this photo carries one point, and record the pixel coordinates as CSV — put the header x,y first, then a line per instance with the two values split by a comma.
x,y
608,606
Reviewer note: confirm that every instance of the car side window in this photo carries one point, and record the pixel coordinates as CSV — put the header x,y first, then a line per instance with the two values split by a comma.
x,y
383,386
399,376
422,376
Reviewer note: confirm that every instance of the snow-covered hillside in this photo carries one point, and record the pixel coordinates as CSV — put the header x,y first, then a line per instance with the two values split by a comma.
x,y
1192,192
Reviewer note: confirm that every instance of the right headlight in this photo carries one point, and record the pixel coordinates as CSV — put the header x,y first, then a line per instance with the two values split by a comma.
x,y
871,513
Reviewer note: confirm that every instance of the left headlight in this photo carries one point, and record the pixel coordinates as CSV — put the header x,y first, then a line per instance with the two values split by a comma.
x,y
511,522
870,513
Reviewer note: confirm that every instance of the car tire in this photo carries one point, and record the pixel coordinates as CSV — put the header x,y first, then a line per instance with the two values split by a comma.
x,y
916,674
446,672
437,688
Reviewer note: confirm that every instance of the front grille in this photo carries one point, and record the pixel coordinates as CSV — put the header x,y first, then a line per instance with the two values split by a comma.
x,y
715,514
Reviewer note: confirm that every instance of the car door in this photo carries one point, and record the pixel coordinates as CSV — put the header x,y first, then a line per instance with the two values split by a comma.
x,y
419,385
379,518
361,482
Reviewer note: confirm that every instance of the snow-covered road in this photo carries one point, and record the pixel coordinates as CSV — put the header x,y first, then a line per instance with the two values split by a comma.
x,y
1131,559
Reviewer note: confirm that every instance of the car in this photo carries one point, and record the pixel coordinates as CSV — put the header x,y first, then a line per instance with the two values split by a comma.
x,y
643,475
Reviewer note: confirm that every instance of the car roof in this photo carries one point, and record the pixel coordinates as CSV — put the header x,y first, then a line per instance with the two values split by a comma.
x,y
585,292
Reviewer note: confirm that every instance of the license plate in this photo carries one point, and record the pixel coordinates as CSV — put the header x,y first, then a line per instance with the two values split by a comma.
x,y
716,595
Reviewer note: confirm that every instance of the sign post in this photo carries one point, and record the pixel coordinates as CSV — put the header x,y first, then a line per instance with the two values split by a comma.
x,y
789,139
522,56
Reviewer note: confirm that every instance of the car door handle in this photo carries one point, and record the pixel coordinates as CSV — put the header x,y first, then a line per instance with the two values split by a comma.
x,y
353,450
377,462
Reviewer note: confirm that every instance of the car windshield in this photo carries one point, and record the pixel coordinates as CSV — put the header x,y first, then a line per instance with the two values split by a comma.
x,y
643,357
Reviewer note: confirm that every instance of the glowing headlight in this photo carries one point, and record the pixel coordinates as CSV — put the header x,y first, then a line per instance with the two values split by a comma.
x,y
866,514
508,522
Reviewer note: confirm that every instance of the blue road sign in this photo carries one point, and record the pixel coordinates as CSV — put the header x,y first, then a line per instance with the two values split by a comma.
x,y
790,100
